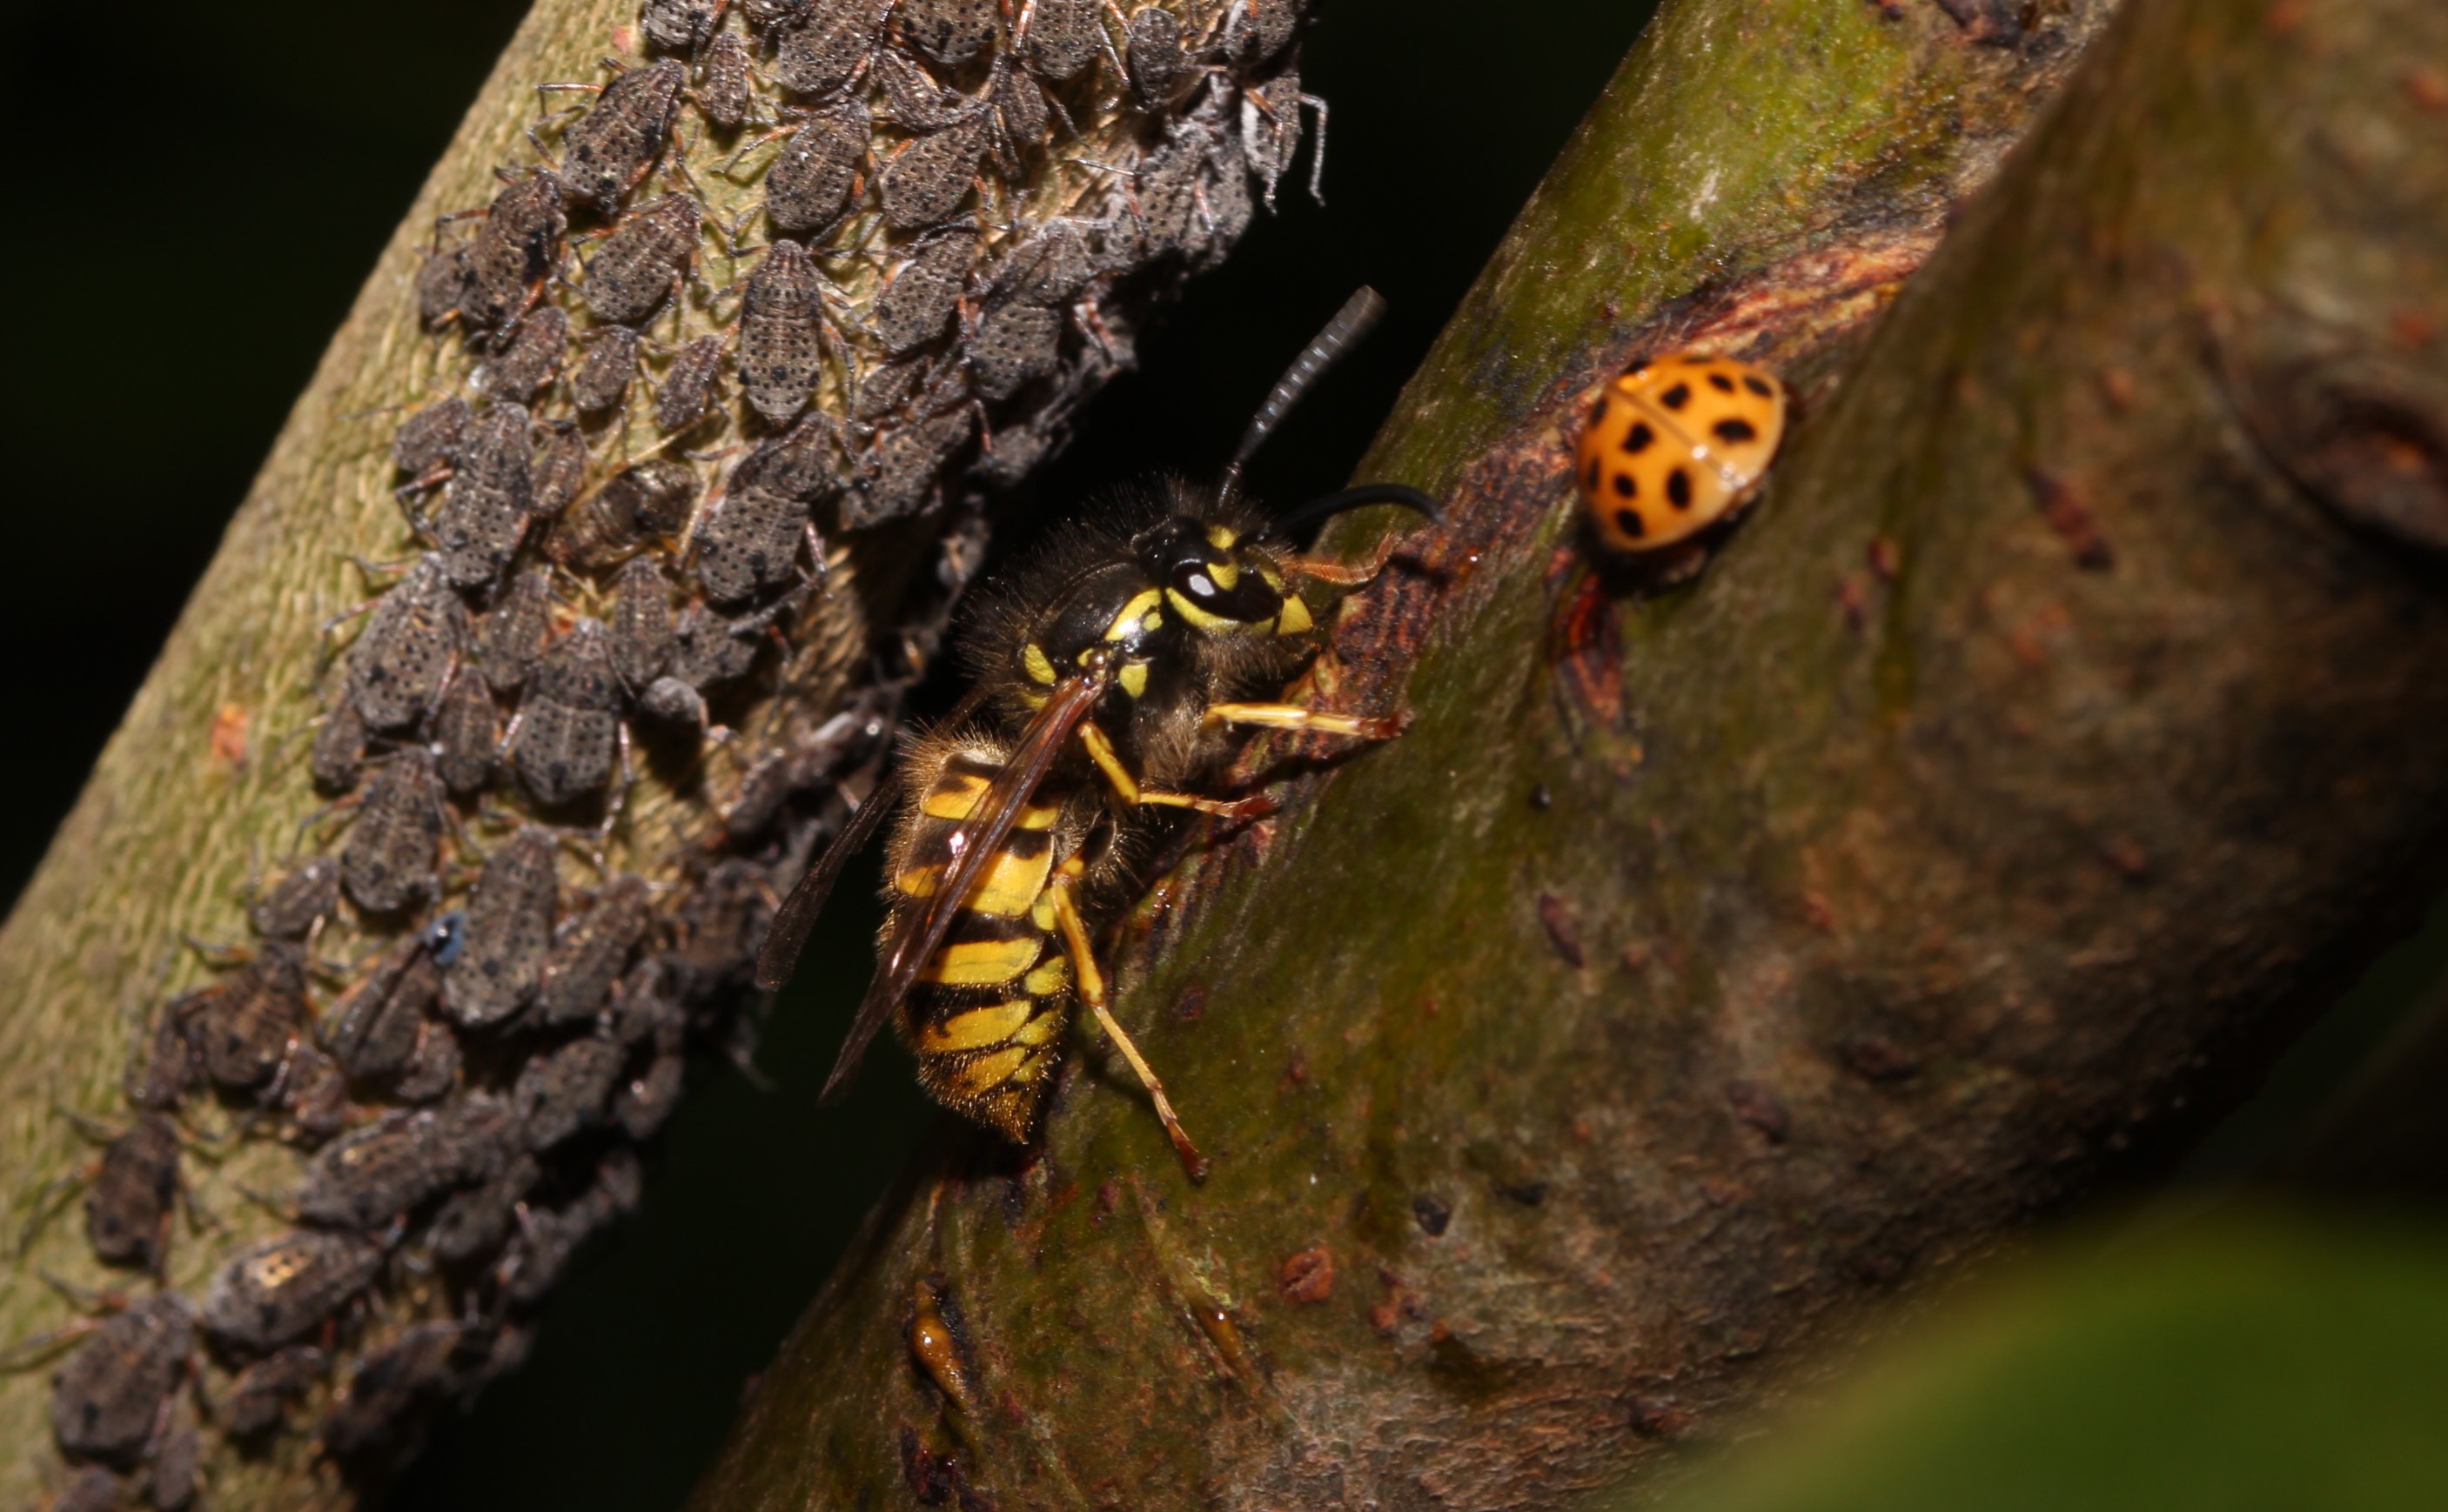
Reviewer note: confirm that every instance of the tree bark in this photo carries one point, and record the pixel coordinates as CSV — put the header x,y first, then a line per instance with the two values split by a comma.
x,y
1583,1068
204,787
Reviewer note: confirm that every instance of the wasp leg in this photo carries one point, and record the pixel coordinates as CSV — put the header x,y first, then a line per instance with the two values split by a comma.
x,y
1126,786
1091,985
1292,716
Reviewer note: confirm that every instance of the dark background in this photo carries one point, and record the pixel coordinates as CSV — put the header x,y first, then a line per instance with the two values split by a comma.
x,y
269,150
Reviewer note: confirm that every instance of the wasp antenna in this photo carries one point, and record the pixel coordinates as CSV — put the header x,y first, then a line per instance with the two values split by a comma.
x,y
1325,349
1356,497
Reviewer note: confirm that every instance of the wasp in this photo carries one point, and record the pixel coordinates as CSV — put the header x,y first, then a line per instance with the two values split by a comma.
x,y
1109,678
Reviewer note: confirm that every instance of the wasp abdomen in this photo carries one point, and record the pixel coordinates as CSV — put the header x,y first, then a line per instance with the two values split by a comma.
x,y
987,1016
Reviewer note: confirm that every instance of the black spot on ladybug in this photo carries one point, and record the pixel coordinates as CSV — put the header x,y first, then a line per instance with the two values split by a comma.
x,y
1600,413
1637,439
1593,483
1758,386
1629,521
1676,397
1734,429
1721,383
1678,488
1624,486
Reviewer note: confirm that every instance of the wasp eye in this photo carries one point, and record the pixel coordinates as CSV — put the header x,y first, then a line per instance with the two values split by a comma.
x,y
1192,578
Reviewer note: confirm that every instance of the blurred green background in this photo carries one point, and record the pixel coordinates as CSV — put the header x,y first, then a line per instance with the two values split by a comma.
x,y
270,151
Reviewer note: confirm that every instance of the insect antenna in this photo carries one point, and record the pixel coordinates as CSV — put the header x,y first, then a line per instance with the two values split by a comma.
x,y
1351,323
1354,497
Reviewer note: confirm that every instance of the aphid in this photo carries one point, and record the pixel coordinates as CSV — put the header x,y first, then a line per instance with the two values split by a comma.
x,y
641,1107
372,1176
485,505
719,929
279,1288
882,390
1255,31
432,1069
638,506
614,144
551,1238
387,1383
387,862
441,287
708,650
822,49
723,83
429,440
914,101
375,1028
645,258
171,1481
644,1011
591,953
1225,207
1020,105
917,306
468,736
949,31
1061,37
689,384
339,748
107,1400
533,357
903,467
1014,347
808,184
398,666
764,13
245,1027
1049,268
679,25
475,1221
129,1208
515,250
747,541
804,463
923,182
314,1093
1271,133
1168,193
1152,49
1675,445
1107,693
559,469
564,1089
640,639
781,326
602,380
565,737
161,1078
509,930
259,1396
290,908
515,632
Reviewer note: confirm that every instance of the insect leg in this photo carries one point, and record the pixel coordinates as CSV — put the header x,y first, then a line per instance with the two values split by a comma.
x,y
1292,716
1091,986
1126,788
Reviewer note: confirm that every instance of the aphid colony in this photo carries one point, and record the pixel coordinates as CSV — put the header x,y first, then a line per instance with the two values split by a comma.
x,y
803,269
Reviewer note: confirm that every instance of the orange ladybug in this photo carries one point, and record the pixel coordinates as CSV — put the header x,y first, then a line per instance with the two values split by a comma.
x,y
1675,445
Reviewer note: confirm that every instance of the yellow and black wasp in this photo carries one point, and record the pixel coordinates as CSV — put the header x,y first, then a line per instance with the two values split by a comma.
x,y
1105,695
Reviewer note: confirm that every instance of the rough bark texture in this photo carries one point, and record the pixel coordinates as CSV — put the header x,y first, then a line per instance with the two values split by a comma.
x,y
1578,1068
926,323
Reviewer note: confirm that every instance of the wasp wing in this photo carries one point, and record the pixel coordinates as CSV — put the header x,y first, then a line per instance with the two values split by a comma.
x,y
780,955
921,931
788,935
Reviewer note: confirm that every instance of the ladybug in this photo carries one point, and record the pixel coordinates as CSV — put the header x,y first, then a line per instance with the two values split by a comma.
x,y
1675,445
